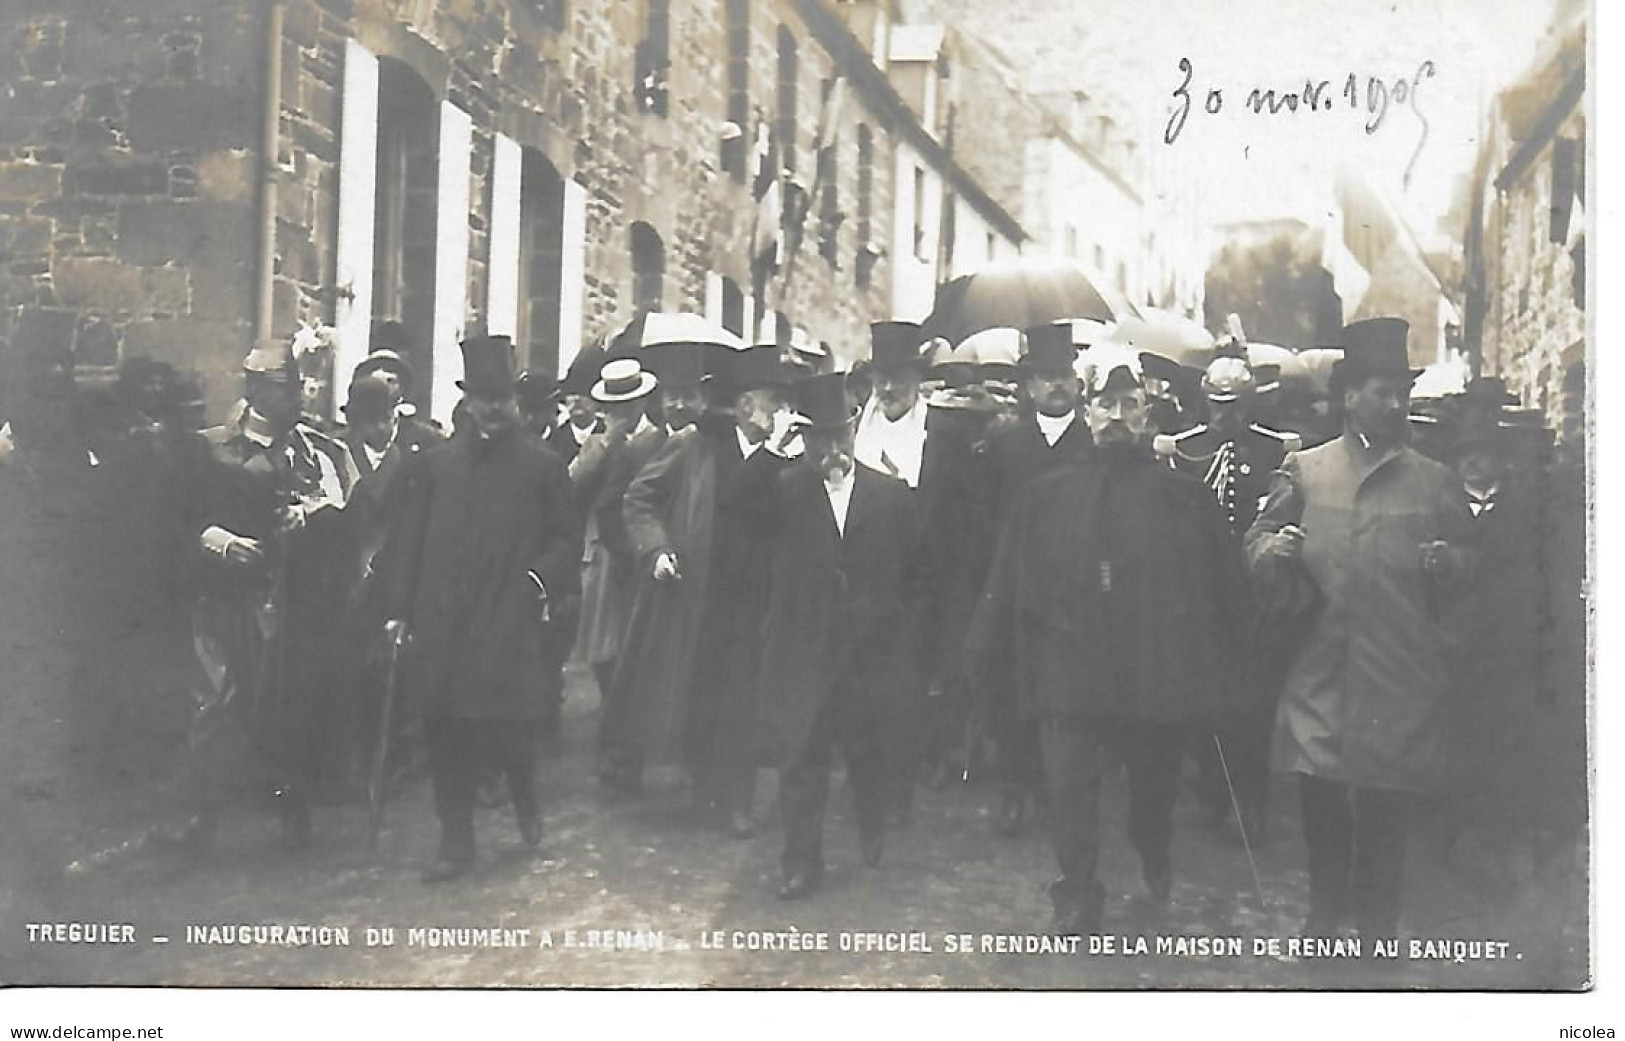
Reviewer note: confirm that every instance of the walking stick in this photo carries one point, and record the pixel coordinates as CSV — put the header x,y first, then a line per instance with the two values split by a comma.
x,y
1246,844
380,752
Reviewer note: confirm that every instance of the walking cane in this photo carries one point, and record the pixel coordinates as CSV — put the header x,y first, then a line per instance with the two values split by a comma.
x,y
1246,844
380,752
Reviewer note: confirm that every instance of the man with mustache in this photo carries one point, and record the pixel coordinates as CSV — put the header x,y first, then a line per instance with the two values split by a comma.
x,y
1121,599
489,544
845,576
1382,532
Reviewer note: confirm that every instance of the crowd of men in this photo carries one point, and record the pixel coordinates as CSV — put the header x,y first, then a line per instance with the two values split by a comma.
x,y
1023,556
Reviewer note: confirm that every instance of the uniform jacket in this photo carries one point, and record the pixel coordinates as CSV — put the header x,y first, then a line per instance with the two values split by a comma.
x,y
1118,591
841,606
483,517
1238,470
1363,698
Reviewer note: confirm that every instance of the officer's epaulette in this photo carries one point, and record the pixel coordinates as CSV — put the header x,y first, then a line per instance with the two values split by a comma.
x,y
1289,441
1168,444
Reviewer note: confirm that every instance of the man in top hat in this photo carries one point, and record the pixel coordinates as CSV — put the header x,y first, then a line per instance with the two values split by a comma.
x,y
609,570
1382,533
686,685
269,518
680,368
1236,458
1120,596
1050,436
497,543
844,589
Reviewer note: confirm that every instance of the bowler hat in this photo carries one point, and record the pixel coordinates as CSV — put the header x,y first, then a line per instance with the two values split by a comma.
x,y
824,403
1050,348
623,379
386,360
676,364
896,345
1375,347
272,361
535,390
487,367
370,400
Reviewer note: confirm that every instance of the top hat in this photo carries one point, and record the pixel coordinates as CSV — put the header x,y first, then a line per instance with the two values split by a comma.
x,y
823,402
1050,348
536,391
896,345
583,371
623,379
370,401
1375,347
487,367
272,361
676,364
390,335
753,368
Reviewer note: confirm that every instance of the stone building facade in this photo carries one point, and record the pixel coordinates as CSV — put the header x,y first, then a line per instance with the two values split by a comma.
x,y
1525,310
542,168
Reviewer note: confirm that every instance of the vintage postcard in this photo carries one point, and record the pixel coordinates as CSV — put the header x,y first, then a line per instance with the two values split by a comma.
x,y
796,494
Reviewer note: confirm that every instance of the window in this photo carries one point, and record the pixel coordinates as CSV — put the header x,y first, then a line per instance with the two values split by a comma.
x,y
784,128
403,271
738,29
866,187
648,268
652,59
829,196
541,263
919,214
733,307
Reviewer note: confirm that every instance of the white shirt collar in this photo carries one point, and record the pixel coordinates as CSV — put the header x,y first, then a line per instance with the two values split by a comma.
x,y
580,434
840,497
253,428
1053,427
746,448
894,448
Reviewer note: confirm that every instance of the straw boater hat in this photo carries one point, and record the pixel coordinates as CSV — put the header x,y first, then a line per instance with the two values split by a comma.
x,y
623,379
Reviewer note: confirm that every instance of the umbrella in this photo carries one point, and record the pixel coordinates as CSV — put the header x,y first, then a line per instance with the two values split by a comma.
x,y
1290,368
1170,335
1317,365
664,327
1441,379
1019,293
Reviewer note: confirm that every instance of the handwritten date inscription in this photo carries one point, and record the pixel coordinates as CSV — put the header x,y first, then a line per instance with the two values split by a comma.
x,y
1370,96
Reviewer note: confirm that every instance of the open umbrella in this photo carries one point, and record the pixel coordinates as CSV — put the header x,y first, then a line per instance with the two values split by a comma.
x,y
663,327
1317,365
1289,368
1019,293
1170,335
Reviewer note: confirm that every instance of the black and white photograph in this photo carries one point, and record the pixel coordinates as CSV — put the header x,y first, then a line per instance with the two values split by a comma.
x,y
761,495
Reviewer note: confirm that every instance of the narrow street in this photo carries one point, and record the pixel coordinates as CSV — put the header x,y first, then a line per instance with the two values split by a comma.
x,y
639,894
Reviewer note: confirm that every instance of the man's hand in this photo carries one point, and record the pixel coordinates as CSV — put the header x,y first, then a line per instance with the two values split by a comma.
x,y
244,552
290,519
1287,544
665,569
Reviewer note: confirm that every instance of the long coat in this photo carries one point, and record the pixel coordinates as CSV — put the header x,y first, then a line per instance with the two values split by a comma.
x,y
671,505
842,607
1119,592
601,473
1363,700
485,515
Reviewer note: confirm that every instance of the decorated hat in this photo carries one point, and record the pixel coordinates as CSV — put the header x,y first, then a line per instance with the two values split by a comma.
x,y
385,360
1227,379
1050,348
623,379
896,345
1376,347
487,367
273,361
823,402
1109,367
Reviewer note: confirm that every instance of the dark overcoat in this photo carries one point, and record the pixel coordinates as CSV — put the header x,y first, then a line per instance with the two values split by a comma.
x,y
842,608
601,472
485,515
1118,591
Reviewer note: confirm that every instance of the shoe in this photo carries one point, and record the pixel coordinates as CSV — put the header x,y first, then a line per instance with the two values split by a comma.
x,y
872,847
1012,810
740,825
530,830
445,869
798,884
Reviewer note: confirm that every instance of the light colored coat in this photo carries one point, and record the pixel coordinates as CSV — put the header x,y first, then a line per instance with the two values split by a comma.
x,y
1365,696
